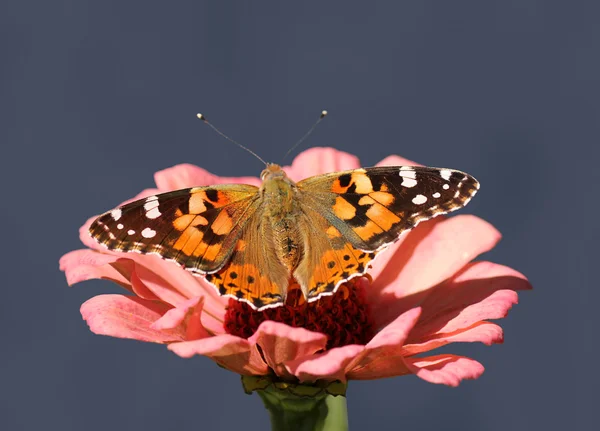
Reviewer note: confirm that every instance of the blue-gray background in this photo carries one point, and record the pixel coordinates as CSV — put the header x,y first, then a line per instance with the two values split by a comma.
x,y
95,96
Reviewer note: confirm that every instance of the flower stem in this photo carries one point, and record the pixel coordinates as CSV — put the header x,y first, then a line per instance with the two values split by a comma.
x,y
289,412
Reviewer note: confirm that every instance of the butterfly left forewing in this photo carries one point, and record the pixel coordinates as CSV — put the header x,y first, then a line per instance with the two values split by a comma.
x,y
196,228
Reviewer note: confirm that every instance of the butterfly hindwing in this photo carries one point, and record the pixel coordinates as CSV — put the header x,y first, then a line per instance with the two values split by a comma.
x,y
254,274
329,259
197,228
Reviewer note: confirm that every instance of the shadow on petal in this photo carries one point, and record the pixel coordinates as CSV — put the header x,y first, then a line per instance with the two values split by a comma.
x,y
280,343
431,253
331,365
467,301
229,351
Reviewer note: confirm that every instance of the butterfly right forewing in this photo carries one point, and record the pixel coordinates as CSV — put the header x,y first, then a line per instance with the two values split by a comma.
x,y
372,207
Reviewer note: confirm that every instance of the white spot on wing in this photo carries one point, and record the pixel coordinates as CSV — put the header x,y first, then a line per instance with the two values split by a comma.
x,y
116,214
148,233
151,204
408,182
436,195
120,226
153,212
409,176
419,200
445,186
445,174
130,232
151,207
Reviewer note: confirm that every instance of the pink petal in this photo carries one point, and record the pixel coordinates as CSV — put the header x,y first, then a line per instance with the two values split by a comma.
x,y
138,286
330,365
427,258
141,195
317,161
397,161
170,282
483,332
82,265
229,351
445,369
396,333
383,354
185,176
280,343
378,368
127,317
481,291
175,316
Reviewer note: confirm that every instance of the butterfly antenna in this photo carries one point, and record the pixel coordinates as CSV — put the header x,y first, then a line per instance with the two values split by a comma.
x,y
203,118
307,134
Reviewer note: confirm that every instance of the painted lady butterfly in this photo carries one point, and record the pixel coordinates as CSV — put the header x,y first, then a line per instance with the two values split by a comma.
x,y
252,242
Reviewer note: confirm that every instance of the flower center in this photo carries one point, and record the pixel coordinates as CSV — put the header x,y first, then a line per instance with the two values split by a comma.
x,y
343,317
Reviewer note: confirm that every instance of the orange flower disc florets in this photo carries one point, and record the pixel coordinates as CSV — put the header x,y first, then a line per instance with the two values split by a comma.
x,y
343,317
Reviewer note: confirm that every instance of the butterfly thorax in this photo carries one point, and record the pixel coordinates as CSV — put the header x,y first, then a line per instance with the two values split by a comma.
x,y
282,215
278,192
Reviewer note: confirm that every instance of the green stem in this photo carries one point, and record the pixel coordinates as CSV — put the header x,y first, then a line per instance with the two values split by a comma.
x,y
294,413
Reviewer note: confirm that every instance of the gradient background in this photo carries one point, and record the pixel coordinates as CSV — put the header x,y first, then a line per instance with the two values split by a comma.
x,y
95,96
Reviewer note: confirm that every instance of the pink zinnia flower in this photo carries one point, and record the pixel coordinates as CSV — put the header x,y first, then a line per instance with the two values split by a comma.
x,y
422,293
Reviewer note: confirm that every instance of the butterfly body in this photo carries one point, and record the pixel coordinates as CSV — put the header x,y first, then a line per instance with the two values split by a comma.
x,y
252,243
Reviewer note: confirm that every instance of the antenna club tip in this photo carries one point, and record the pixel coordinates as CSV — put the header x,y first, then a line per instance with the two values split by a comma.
x,y
201,116
323,113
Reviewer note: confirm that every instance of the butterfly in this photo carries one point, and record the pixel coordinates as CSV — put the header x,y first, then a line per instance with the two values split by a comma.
x,y
254,243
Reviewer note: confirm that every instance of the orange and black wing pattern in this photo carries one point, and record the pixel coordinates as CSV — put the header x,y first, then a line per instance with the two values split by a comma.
x,y
254,273
197,228
372,207
355,214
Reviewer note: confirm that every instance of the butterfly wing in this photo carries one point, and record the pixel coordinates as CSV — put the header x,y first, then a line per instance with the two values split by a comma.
x,y
363,211
254,274
198,228
329,258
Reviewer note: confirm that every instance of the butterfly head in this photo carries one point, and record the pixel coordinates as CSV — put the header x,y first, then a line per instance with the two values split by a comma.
x,y
272,172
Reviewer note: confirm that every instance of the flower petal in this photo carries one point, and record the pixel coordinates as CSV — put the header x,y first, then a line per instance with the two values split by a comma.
x,y
382,356
394,160
379,368
483,332
82,265
481,291
176,316
319,160
280,343
185,175
229,351
445,369
128,317
428,255
330,365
